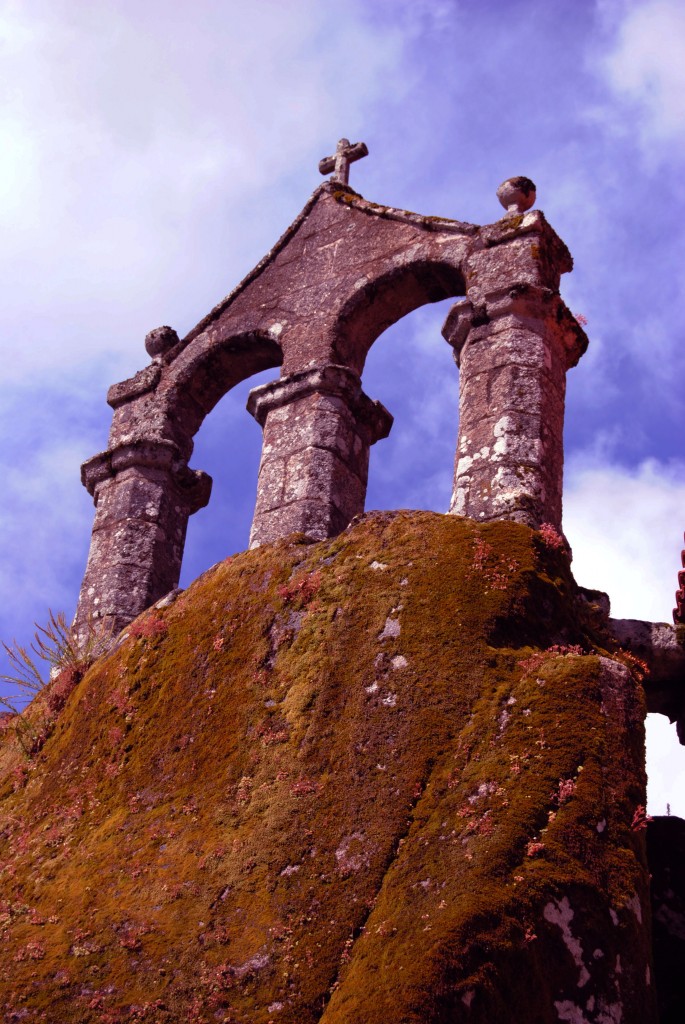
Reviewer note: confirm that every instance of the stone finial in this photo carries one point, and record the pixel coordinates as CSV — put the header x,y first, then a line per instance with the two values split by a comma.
x,y
345,154
516,194
160,341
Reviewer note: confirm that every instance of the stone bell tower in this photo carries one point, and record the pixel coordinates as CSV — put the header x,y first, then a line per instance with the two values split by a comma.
x,y
344,271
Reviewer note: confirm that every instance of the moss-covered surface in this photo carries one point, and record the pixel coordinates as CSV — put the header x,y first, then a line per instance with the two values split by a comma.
x,y
344,782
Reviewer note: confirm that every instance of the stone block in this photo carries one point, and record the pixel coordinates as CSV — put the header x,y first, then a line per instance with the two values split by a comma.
x,y
271,484
132,542
506,343
323,420
320,474
130,495
323,520
513,262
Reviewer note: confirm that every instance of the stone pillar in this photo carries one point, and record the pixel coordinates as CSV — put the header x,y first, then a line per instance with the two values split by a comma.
x,y
513,340
513,353
144,493
318,427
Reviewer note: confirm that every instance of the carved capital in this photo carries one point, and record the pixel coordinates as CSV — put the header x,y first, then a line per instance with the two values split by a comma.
x,y
192,485
524,305
372,418
455,330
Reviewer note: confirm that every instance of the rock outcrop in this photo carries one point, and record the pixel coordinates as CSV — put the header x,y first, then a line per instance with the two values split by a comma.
x,y
393,777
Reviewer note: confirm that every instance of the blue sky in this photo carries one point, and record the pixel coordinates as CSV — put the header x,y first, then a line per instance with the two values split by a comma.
x,y
152,153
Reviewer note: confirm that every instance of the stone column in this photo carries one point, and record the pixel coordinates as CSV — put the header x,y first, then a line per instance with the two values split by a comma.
x,y
513,340
318,427
144,493
513,352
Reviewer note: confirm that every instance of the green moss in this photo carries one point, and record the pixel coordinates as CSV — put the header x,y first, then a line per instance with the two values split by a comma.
x,y
279,800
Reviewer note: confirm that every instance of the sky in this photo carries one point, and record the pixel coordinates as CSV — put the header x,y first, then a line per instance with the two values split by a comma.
x,y
153,152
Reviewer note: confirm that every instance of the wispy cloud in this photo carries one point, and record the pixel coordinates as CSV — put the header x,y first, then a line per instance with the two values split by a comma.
x,y
133,129
646,71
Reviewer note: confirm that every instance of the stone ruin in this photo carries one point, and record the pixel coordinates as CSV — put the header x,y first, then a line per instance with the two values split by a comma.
x,y
343,272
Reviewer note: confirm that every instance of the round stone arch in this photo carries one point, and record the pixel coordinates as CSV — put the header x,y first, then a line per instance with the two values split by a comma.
x,y
318,423
143,489
205,372
382,301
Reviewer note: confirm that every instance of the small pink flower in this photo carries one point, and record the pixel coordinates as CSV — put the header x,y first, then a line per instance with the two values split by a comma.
x,y
551,537
640,819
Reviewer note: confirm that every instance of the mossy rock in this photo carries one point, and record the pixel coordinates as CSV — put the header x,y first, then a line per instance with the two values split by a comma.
x,y
340,782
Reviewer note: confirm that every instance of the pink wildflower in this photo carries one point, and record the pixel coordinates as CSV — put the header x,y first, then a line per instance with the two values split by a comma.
x,y
640,819
551,537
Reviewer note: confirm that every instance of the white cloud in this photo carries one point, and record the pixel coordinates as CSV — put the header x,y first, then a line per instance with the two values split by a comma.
x,y
626,528
646,70
137,134
665,768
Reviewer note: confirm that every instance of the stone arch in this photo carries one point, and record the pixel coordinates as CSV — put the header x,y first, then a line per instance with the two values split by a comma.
x,y
384,300
342,272
142,486
205,372
412,371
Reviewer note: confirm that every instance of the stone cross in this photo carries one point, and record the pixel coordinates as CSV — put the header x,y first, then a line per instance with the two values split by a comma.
x,y
345,154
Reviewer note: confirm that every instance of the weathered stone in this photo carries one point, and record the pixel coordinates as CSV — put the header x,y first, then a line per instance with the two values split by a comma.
x,y
355,779
318,426
345,154
344,271
144,495
513,351
516,194
160,341
144,381
658,645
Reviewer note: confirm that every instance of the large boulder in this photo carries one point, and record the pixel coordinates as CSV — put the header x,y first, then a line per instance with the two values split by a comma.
x,y
393,777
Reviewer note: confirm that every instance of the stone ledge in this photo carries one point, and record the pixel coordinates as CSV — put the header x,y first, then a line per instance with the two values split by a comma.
x,y
523,302
657,644
142,382
194,484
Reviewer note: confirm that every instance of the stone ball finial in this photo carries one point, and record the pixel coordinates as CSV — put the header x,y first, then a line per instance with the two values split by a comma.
x,y
516,194
160,341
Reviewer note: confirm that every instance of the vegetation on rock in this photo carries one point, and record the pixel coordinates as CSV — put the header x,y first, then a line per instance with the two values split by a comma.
x,y
381,778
